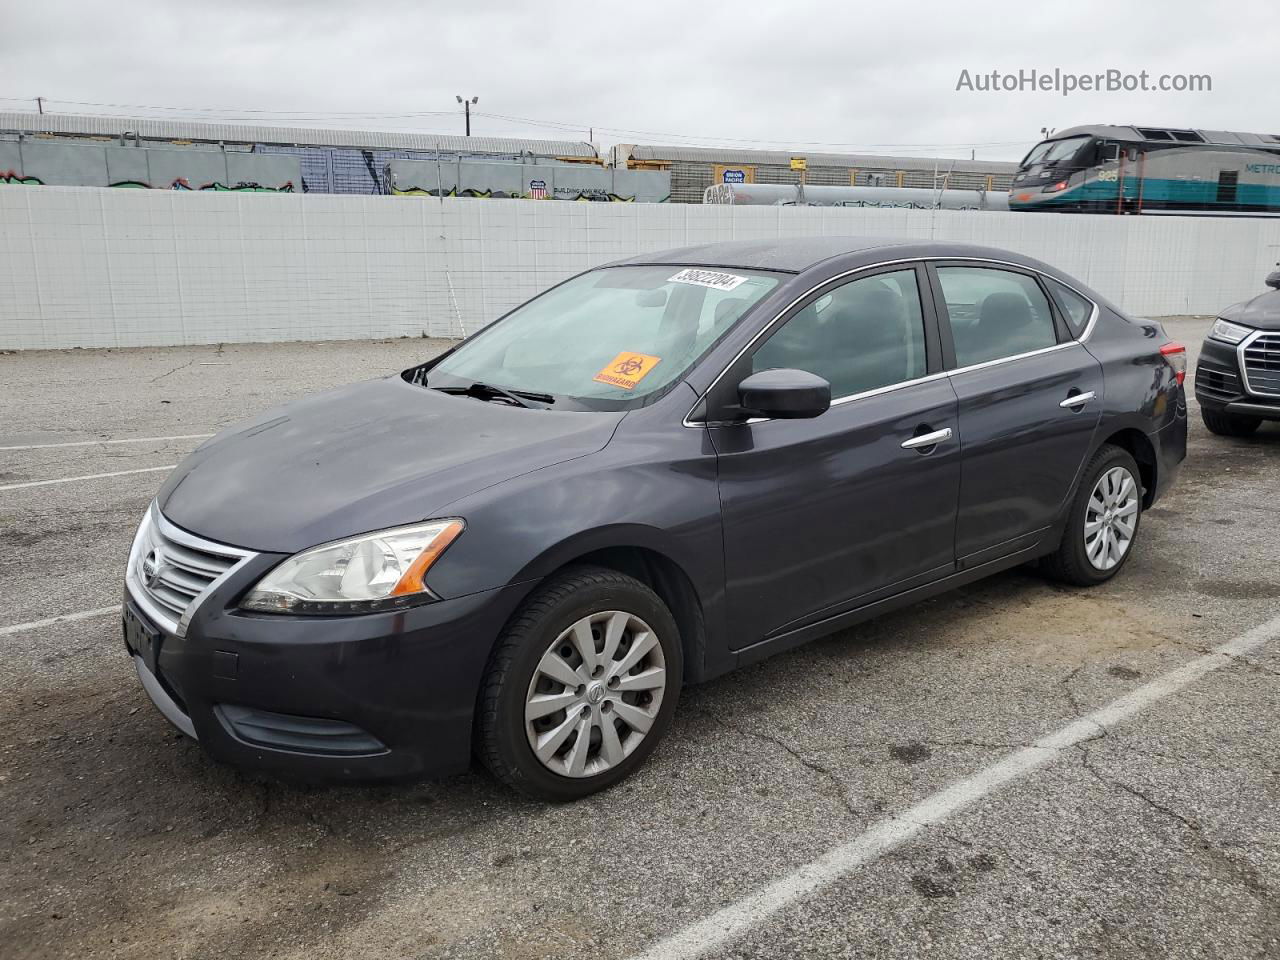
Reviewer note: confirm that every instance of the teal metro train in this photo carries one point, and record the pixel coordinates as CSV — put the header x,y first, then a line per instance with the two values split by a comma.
x,y
1151,170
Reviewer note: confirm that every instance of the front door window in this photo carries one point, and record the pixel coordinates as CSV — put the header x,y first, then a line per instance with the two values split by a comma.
x,y
864,335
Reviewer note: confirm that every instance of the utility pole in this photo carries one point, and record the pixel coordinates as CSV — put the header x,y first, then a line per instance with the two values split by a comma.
x,y
466,105
40,104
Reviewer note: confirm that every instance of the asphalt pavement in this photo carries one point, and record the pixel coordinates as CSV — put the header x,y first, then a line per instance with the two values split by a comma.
x,y
757,830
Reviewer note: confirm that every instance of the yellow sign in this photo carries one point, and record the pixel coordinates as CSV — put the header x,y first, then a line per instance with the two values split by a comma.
x,y
626,370
799,163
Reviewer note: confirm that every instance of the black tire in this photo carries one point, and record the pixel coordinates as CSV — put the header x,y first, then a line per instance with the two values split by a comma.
x,y
1229,424
501,740
1070,562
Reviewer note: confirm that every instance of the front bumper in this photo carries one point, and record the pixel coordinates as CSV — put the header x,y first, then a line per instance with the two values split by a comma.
x,y
1219,385
1252,408
372,697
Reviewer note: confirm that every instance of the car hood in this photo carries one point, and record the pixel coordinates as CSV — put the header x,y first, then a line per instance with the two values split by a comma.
x,y
364,457
1261,313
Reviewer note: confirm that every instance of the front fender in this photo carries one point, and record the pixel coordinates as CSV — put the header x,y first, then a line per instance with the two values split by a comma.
x,y
649,488
605,537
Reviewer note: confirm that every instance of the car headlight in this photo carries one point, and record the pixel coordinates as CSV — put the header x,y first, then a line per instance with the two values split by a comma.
x,y
1229,332
377,571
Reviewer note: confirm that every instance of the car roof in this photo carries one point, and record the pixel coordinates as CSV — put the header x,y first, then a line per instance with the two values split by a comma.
x,y
797,254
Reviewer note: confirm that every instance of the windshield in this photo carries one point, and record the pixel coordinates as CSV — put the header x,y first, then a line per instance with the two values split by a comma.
x,y
1052,151
608,338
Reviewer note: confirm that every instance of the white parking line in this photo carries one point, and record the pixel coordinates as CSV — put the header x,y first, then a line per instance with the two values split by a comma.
x,y
65,618
94,443
90,476
731,922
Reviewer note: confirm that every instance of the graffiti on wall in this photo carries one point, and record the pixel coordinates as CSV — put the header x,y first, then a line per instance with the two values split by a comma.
x,y
181,183
453,192
49,163
550,181
12,176
598,196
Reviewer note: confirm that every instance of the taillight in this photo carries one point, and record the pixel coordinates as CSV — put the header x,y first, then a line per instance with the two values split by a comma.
x,y
1175,354
1055,188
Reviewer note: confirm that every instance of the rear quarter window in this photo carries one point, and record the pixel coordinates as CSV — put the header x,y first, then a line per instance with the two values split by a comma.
x,y
1074,307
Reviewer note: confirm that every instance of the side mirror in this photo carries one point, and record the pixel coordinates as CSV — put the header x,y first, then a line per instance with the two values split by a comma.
x,y
1273,280
784,395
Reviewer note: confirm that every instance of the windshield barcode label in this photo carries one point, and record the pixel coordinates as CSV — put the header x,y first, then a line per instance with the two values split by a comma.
x,y
708,278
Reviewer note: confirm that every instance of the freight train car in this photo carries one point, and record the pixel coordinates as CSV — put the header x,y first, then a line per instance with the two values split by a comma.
x,y
797,195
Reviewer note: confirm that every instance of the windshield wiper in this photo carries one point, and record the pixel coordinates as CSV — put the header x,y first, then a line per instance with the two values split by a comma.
x,y
489,391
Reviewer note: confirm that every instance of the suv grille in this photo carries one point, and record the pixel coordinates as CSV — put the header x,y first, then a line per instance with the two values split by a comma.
x,y
170,570
1262,364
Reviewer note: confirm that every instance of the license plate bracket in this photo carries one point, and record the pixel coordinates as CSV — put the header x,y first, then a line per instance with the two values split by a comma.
x,y
141,637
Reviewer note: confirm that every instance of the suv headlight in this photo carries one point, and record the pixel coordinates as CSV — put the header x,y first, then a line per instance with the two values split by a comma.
x,y
1229,332
377,571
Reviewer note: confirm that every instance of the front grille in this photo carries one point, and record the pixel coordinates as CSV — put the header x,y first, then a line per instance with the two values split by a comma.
x,y
1262,364
170,570
314,735
1216,382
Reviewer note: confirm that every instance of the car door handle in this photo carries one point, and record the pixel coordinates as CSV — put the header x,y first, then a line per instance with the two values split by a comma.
x,y
927,439
1077,400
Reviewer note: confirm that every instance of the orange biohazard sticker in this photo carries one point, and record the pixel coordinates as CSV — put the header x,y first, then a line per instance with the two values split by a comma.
x,y
626,370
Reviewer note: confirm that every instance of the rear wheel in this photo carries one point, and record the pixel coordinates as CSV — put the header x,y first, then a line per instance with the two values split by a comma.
x,y
1228,424
581,687
1103,522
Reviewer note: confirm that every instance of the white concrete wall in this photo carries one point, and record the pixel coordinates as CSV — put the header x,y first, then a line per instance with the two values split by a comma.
x,y
85,267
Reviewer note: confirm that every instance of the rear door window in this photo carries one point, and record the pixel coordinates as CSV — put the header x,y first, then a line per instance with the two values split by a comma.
x,y
995,313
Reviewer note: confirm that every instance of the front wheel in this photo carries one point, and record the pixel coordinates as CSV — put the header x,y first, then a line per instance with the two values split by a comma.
x,y
1229,424
581,687
1103,521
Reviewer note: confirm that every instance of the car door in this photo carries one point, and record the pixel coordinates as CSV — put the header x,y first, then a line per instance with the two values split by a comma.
x,y
1030,399
850,504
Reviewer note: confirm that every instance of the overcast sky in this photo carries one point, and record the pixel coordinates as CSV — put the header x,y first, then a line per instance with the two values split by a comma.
x,y
874,78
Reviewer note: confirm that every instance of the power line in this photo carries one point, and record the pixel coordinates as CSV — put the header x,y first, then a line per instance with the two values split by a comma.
x,y
232,115
236,111
652,133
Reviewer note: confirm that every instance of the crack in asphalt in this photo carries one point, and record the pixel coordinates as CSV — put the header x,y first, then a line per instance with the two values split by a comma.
x,y
1240,658
1065,683
1250,663
181,366
967,742
1248,876
1149,754
1077,710
1089,766
840,789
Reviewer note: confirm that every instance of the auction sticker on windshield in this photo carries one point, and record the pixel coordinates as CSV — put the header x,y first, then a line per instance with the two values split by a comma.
x,y
626,370
708,278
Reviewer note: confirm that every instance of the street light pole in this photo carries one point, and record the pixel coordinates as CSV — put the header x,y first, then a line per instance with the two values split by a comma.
x,y
466,106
